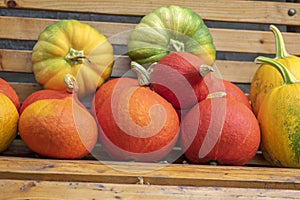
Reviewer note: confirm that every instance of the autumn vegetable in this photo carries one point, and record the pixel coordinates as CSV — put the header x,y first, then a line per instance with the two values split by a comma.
x,y
7,90
220,129
135,122
72,47
174,78
211,83
170,29
9,117
267,77
279,119
58,127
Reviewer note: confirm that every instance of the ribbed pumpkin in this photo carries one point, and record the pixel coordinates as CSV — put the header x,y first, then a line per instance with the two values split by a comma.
x,y
6,89
72,47
57,127
168,29
267,77
279,118
220,129
135,122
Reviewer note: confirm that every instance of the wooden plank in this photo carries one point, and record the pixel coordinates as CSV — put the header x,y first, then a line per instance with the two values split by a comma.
x,y
228,40
21,62
240,11
16,189
153,173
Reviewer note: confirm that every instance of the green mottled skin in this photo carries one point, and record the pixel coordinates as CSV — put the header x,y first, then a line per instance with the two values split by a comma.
x,y
152,37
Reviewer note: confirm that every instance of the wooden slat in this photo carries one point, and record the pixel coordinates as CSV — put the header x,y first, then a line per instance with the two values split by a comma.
x,y
237,11
15,189
228,40
21,62
153,173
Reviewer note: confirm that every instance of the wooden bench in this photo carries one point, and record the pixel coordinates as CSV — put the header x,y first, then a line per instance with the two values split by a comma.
x,y
240,31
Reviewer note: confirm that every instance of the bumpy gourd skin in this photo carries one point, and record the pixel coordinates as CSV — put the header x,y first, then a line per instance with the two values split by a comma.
x,y
279,118
267,77
72,47
168,29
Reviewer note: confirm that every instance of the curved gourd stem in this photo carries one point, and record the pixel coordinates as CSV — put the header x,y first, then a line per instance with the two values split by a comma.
x,y
71,83
205,69
280,46
144,76
176,45
287,76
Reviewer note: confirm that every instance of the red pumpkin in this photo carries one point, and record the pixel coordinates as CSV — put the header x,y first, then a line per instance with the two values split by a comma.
x,y
175,76
6,89
220,129
211,84
135,122
55,124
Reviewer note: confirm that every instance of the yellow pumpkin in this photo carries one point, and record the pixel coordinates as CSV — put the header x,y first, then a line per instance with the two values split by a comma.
x,y
76,48
279,118
267,77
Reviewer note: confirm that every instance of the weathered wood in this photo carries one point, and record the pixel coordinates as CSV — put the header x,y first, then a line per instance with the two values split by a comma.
x,y
154,173
228,40
15,189
234,11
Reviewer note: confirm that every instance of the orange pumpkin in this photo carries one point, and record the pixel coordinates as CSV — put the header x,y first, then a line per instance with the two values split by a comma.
x,y
6,89
220,129
58,127
134,122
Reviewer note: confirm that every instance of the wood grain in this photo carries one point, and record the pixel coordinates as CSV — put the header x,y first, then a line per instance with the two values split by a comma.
x,y
234,10
15,189
153,173
227,40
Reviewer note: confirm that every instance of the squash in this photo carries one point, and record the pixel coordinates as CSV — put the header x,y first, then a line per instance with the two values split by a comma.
x,y
76,48
9,117
168,29
173,77
59,127
135,123
267,77
279,119
7,90
219,129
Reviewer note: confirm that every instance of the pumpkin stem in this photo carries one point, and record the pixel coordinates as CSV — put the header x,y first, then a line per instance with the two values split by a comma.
x,y
71,84
287,76
280,46
176,45
205,69
144,75
216,95
75,56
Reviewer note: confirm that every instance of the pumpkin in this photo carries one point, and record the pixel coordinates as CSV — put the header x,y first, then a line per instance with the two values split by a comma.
x,y
135,123
267,77
279,119
58,127
168,29
9,117
174,78
7,90
72,47
219,129
211,83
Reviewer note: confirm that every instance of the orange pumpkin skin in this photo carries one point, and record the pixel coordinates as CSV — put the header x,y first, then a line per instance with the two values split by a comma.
x,y
43,94
220,129
58,128
134,122
6,89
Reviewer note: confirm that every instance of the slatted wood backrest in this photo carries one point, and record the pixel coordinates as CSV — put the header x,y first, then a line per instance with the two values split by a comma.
x,y
239,29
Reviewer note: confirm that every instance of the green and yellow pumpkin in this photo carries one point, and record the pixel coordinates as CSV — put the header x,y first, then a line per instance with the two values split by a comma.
x,y
72,47
168,29
279,118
